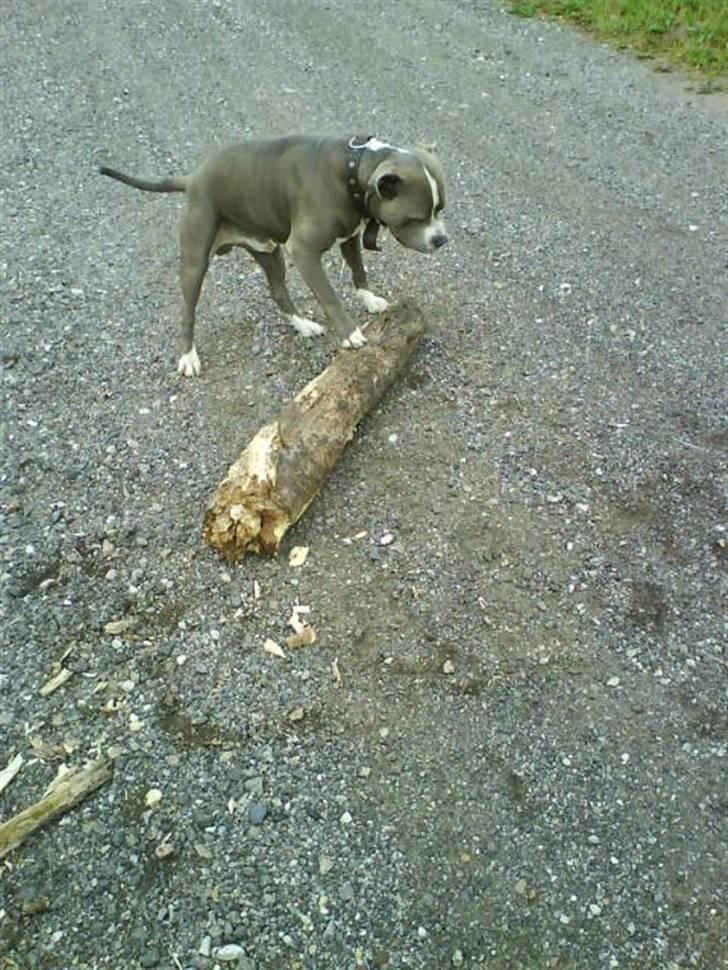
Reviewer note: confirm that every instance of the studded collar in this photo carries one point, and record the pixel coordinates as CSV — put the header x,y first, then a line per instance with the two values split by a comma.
x,y
354,152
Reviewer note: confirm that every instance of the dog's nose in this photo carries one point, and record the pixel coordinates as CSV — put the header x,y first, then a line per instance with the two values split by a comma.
x,y
439,240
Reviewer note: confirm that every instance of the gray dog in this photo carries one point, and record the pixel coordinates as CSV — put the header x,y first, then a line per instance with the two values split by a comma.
x,y
302,194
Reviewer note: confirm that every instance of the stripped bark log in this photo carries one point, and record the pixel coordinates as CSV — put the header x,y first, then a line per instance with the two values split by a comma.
x,y
63,793
279,474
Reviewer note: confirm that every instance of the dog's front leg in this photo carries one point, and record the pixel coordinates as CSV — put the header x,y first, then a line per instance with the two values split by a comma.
x,y
351,251
309,266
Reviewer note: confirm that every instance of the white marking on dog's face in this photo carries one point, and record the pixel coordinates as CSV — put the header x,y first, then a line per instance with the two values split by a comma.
x,y
372,302
307,328
436,228
434,189
189,364
355,339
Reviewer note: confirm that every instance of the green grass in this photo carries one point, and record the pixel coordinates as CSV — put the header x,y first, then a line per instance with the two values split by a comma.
x,y
692,34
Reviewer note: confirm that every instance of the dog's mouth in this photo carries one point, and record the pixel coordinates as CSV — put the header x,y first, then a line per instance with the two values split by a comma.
x,y
427,240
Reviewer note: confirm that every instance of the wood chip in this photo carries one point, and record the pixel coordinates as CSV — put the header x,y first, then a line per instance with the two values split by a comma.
x,y
55,682
297,556
256,590
270,646
66,791
304,638
115,627
34,907
164,850
9,772
153,797
297,714
355,538
335,672
47,752
295,620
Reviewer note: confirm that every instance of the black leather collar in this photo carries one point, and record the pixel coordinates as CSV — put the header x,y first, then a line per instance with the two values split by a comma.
x,y
354,151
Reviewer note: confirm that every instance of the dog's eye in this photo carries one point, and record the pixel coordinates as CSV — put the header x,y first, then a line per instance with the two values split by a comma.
x,y
439,208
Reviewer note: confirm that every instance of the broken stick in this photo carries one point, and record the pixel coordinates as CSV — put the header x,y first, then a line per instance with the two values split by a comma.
x,y
63,793
278,475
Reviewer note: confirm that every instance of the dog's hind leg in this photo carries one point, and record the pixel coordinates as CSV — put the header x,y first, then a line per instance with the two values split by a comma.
x,y
351,251
197,232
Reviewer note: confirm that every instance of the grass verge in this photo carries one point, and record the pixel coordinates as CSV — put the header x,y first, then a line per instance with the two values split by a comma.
x,y
691,34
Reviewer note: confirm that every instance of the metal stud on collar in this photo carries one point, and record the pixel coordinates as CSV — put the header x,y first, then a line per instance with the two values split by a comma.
x,y
356,145
353,152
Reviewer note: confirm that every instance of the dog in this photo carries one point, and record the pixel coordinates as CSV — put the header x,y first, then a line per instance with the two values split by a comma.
x,y
302,194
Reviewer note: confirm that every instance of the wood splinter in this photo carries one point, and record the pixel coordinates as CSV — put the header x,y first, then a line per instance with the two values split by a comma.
x,y
63,793
279,474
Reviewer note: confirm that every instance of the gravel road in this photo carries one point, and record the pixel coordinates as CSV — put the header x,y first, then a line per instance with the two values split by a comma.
x,y
516,569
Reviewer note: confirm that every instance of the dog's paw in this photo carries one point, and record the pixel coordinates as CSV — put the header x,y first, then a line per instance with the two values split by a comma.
x,y
372,302
189,364
355,339
307,328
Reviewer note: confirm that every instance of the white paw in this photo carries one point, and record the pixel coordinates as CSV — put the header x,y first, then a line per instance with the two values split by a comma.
x,y
189,364
355,339
372,302
307,328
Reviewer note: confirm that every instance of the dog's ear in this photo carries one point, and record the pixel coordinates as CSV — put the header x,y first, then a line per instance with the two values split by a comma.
x,y
388,185
384,182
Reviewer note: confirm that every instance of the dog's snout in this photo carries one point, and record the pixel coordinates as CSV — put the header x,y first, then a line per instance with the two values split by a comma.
x,y
439,240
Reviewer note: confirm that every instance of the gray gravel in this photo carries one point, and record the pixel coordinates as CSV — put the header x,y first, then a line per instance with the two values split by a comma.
x,y
522,765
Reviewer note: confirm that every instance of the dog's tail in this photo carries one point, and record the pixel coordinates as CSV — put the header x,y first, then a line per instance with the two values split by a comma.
x,y
166,185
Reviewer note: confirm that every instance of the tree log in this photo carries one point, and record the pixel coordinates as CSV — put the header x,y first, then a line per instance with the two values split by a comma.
x,y
63,793
279,474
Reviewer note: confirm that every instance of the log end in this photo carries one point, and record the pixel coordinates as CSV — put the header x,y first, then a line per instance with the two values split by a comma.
x,y
243,515
252,524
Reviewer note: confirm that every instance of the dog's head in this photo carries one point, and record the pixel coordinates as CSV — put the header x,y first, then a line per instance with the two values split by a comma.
x,y
406,193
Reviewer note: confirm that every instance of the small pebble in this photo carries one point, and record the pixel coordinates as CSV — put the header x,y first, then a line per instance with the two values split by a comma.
x,y
256,813
229,953
346,893
254,785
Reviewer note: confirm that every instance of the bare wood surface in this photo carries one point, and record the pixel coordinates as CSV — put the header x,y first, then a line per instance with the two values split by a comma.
x,y
63,793
278,475
9,772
